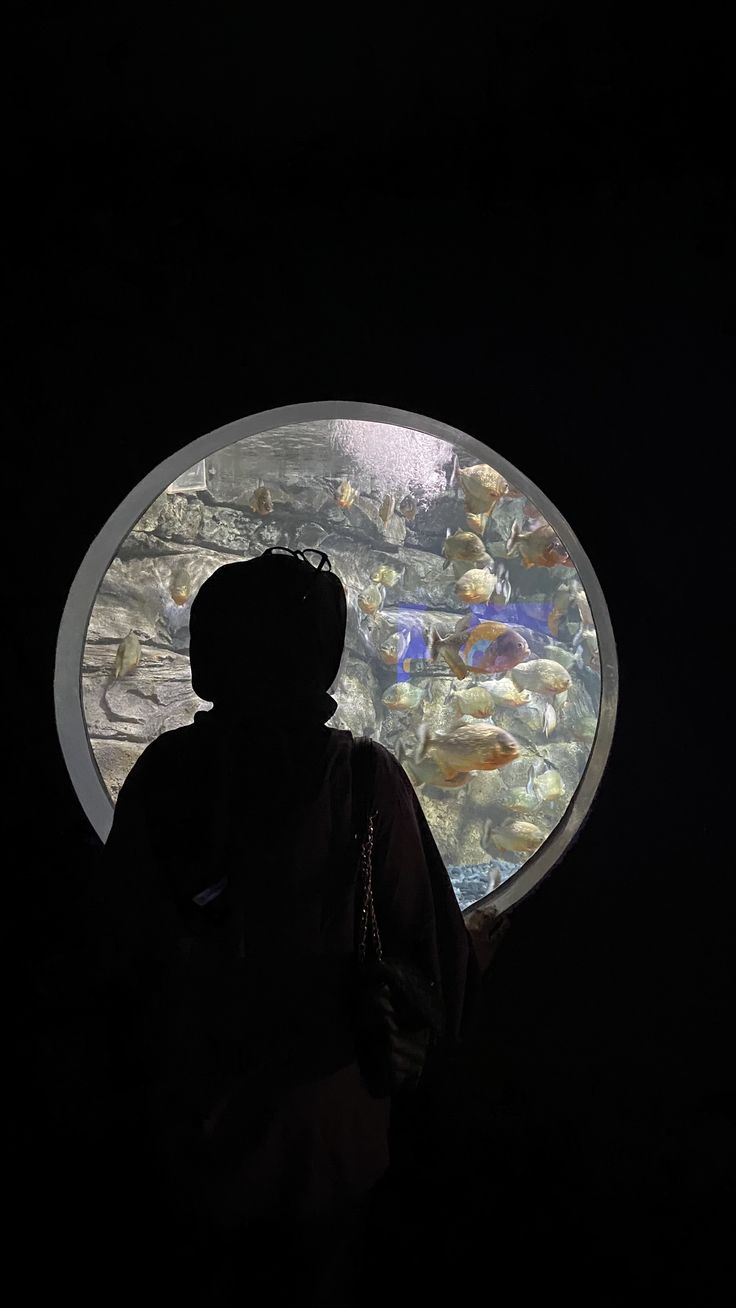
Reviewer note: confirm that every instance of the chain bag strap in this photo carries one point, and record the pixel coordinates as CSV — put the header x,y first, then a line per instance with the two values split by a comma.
x,y
397,1009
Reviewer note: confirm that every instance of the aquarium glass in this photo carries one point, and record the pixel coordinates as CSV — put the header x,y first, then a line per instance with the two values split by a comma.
x,y
468,623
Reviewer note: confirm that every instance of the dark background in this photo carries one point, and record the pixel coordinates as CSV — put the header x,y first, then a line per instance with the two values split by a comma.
x,y
524,231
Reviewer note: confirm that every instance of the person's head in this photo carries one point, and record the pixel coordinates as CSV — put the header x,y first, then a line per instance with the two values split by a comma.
x,y
278,612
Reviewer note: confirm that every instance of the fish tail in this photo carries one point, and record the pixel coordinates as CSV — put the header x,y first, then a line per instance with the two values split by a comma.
x,y
455,664
423,741
434,644
484,631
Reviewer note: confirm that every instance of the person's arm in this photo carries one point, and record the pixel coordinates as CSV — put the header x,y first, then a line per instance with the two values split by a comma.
x,y
487,930
416,906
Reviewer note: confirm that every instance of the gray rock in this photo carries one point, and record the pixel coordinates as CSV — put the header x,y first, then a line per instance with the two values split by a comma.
x,y
458,835
485,792
135,594
115,758
156,697
506,513
174,517
471,883
142,544
570,761
432,522
357,695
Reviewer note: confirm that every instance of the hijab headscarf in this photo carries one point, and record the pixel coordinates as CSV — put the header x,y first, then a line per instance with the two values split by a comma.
x,y
276,613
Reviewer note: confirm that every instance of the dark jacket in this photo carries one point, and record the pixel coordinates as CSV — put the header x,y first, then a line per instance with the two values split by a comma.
x,y
257,1101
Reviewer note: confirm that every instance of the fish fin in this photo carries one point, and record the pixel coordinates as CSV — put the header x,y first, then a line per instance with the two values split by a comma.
x,y
511,542
487,833
531,780
434,644
422,742
455,664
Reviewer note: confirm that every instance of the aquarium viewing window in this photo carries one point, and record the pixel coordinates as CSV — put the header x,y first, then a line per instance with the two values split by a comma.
x,y
479,647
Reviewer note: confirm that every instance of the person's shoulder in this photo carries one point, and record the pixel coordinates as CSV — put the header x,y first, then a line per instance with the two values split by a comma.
x,y
388,768
163,752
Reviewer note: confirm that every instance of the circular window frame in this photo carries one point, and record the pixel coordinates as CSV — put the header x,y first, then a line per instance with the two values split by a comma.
x,y
70,721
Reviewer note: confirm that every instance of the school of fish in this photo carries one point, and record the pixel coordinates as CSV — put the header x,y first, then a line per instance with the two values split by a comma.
x,y
480,696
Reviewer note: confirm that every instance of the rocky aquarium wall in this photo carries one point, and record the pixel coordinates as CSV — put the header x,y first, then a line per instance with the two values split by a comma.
x,y
471,649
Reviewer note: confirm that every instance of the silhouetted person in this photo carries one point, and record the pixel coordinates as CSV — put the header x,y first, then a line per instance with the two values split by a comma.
x,y
230,912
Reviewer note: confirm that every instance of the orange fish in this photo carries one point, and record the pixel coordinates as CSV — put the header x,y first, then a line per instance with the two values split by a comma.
x,y
502,654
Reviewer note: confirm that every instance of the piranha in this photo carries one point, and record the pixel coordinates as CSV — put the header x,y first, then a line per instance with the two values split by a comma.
x,y
475,701
386,511
180,586
448,649
128,655
385,575
371,599
402,697
561,602
474,747
483,487
408,508
504,693
261,501
515,835
475,586
345,495
543,676
392,650
430,772
477,522
540,548
507,648
503,653
463,547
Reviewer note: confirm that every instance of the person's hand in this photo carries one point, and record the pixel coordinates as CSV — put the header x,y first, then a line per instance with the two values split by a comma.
x,y
487,929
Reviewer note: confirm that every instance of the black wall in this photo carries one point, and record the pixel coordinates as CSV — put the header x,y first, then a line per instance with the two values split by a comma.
x,y
525,232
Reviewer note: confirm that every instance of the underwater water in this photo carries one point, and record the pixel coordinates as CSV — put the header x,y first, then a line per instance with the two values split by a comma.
x,y
471,651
